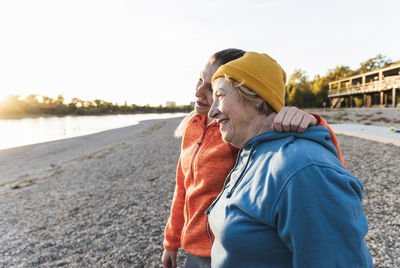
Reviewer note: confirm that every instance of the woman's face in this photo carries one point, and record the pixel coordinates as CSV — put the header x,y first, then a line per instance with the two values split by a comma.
x,y
234,115
204,89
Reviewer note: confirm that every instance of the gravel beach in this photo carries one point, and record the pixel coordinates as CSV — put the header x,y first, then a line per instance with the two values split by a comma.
x,y
102,200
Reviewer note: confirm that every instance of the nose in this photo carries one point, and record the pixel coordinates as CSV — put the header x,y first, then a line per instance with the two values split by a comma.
x,y
198,93
213,112
199,90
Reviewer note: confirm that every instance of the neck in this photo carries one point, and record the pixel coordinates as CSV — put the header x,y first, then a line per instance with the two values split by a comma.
x,y
261,124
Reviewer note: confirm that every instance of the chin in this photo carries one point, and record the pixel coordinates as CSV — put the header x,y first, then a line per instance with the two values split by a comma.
x,y
202,109
226,138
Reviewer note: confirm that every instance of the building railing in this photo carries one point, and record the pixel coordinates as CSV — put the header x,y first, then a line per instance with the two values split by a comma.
x,y
386,83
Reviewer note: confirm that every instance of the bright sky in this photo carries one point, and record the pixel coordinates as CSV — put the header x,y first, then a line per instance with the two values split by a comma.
x,y
150,52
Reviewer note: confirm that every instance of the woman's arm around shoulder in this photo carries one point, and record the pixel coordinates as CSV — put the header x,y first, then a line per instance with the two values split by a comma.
x,y
293,119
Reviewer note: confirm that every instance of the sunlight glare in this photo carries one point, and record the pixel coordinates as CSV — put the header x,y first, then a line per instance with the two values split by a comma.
x,y
3,98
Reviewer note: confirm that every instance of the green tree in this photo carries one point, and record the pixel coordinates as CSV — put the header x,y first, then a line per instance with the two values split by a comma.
x,y
379,61
60,99
88,104
299,90
32,99
320,88
77,102
48,100
339,72
98,102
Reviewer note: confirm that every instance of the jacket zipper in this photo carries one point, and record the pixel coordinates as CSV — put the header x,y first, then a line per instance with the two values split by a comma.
x,y
229,193
223,189
191,171
216,200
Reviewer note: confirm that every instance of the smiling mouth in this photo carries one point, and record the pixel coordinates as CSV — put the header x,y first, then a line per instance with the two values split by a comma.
x,y
223,121
199,103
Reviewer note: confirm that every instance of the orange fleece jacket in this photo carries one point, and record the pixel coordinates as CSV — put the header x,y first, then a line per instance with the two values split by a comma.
x,y
203,166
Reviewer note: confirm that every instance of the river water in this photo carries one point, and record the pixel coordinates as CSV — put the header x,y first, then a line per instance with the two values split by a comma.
x,y
19,132
369,132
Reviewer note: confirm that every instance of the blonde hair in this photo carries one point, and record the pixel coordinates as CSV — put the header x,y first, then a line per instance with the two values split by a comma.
x,y
181,129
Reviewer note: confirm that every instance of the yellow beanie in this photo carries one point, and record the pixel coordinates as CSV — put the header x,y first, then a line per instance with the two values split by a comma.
x,y
260,73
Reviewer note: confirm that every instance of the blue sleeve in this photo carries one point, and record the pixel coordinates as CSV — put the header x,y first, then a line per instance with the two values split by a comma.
x,y
319,217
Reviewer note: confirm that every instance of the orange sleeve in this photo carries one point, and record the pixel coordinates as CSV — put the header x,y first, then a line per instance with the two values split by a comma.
x,y
173,229
322,122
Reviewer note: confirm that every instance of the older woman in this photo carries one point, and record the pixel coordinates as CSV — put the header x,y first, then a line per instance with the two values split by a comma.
x,y
288,201
204,163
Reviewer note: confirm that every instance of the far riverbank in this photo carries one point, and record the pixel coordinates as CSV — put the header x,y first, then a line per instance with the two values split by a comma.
x,y
25,131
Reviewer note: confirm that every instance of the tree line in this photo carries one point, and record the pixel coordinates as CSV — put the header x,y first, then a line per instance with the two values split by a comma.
x,y
301,92
43,105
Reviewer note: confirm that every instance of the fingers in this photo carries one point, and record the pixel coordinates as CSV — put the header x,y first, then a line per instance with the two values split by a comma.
x,y
169,259
277,124
297,122
293,119
283,120
166,260
166,263
303,125
307,121
173,261
169,263
314,120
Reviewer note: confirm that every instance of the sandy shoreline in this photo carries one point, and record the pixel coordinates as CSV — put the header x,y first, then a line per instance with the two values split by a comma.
x,y
103,199
373,124
366,116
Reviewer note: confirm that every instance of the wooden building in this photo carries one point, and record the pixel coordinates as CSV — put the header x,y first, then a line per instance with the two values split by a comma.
x,y
379,87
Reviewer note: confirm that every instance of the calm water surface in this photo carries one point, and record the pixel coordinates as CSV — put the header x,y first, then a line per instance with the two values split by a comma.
x,y
18,132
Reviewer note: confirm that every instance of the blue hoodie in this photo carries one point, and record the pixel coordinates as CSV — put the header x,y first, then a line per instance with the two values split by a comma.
x,y
289,202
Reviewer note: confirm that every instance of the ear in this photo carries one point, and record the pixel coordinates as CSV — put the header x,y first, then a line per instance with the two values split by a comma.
x,y
259,106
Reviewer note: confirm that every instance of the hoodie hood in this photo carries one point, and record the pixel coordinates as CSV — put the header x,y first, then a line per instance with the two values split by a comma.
x,y
318,134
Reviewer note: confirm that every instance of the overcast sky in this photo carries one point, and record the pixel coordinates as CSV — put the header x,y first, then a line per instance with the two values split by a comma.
x,y
150,52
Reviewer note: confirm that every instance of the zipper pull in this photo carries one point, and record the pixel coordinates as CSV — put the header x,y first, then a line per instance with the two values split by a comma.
x,y
209,209
208,232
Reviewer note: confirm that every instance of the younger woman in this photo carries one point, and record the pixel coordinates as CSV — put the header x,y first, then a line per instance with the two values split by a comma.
x,y
204,164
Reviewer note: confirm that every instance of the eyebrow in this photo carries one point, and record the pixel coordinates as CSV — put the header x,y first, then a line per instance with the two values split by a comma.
x,y
219,90
202,78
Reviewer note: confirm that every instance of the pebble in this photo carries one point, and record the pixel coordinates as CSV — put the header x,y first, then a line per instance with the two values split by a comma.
x,y
108,207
